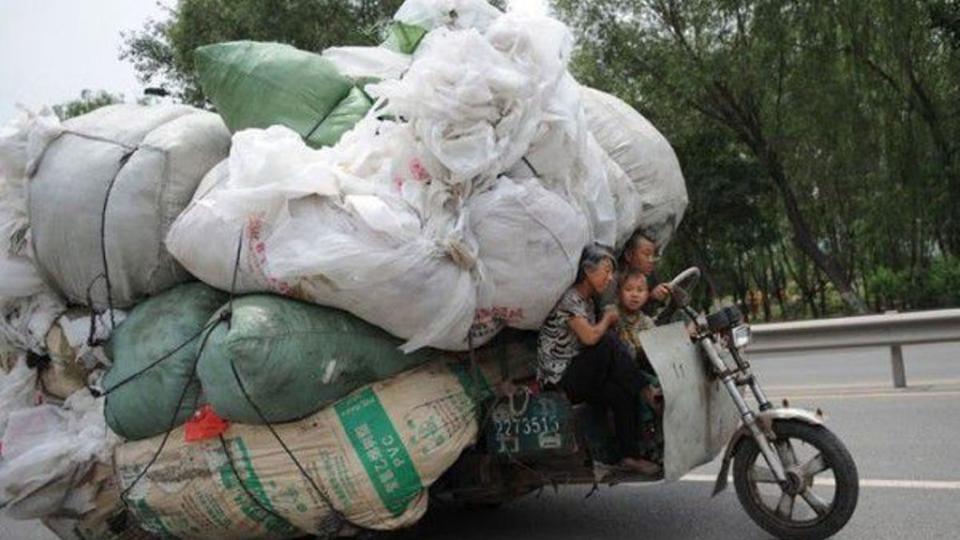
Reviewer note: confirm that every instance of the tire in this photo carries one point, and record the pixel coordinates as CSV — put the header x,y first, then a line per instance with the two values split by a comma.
x,y
750,472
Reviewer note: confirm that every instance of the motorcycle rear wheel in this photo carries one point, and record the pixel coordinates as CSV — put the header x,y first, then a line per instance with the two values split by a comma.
x,y
809,454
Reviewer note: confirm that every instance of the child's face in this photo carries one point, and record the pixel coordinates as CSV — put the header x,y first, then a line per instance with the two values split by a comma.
x,y
634,294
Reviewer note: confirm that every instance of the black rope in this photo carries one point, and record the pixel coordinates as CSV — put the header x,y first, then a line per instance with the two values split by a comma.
x,y
155,363
224,316
233,467
103,235
173,417
105,275
233,281
92,340
528,164
283,445
324,119
246,395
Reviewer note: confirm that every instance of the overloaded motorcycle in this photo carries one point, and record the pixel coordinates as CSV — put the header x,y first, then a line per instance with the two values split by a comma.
x,y
792,475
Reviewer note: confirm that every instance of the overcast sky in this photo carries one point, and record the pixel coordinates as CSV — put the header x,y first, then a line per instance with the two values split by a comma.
x,y
50,50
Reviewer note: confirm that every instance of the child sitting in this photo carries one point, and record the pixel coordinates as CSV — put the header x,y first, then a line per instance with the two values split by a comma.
x,y
633,294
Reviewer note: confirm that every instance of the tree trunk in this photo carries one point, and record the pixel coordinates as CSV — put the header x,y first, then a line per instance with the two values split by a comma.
x,y
800,278
822,294
803,238
779,282
743,117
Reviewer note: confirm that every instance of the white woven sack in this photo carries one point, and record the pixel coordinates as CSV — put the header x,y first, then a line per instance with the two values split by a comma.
x,y
646,157
144,163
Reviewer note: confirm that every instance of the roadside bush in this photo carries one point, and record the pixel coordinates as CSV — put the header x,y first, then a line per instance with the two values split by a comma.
x,y
943,283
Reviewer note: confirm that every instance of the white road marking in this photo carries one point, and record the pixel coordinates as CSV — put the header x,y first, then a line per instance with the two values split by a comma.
x,y
873,384
872,483
866,395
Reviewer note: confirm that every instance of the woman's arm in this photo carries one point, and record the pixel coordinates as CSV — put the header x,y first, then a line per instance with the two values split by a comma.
x,y
590,334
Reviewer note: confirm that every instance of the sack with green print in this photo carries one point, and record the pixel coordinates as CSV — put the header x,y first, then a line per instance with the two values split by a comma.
x,y
258,85
373,456
294,358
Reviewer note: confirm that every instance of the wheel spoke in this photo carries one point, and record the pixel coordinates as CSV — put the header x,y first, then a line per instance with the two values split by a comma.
x,y
785,507
785,451
815,466
815,502
763,475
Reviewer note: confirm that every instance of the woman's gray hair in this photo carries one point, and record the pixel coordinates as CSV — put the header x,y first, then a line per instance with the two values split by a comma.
x,y
591,258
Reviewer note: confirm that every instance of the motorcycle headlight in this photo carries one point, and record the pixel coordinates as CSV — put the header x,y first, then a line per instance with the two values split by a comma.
x,y
741,336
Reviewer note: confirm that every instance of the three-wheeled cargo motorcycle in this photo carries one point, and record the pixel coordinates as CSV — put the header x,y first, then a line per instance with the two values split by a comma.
x,y
792,475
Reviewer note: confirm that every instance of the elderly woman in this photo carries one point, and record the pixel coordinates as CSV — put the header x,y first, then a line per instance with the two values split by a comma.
x,y
577,354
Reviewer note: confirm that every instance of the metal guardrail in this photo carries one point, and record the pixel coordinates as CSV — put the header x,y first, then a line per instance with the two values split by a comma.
x,y
892,330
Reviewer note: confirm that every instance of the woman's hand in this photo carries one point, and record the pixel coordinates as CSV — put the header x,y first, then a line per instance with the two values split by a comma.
x,y
590,334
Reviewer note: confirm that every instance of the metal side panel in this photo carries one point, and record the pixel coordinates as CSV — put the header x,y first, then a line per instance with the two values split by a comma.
x,y
699,417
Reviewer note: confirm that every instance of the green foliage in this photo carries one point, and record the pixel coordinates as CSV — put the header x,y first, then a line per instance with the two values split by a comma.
x,y
944,281
88,101
839,121
945,17
887,286
162,51
820,140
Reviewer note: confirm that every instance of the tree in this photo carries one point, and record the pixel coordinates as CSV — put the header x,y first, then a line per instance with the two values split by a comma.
x,y
787,80
88,101
945,17
162,51
910,48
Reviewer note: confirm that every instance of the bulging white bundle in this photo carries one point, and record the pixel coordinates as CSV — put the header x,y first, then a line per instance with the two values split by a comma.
x,y
314,231
48,453
458,207
475,102
642,168
565,162
27,306
105,192
530,242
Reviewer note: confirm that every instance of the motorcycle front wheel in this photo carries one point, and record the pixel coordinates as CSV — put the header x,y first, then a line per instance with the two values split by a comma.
x,y
822,489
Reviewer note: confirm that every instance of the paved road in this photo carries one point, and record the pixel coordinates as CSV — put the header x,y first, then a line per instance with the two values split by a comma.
x,y
894,435
911,434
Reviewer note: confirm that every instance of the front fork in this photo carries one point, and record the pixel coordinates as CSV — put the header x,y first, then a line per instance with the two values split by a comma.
x,y
732,378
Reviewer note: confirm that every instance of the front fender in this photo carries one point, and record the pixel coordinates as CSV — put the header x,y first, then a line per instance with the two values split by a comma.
x,y
765,421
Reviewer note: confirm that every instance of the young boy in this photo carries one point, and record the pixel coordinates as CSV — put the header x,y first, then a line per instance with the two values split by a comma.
x,y
632,295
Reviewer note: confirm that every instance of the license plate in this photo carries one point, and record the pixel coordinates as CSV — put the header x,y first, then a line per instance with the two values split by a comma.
x,y
541,425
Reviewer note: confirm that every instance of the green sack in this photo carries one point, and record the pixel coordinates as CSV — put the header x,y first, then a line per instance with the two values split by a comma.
x,y
404,38
294,358
258,85
144,406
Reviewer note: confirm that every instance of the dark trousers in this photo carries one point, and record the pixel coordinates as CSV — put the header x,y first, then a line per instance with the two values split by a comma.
x,y
604,375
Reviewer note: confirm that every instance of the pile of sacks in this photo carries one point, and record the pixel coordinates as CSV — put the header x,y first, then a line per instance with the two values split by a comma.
x,y
253,323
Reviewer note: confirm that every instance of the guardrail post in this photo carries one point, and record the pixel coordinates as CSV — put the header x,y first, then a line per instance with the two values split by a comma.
x,y
899,373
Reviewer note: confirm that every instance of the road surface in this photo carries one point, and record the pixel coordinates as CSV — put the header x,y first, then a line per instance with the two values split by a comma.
x,y
906,443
